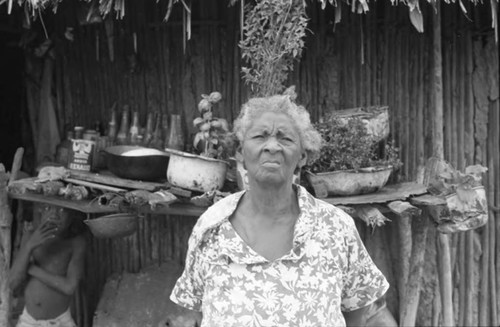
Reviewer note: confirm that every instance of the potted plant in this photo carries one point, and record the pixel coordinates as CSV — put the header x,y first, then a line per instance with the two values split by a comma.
x,y
206,169
465,198
351,160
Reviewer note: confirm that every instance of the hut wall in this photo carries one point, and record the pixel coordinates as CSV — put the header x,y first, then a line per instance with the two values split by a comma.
x,y
373,59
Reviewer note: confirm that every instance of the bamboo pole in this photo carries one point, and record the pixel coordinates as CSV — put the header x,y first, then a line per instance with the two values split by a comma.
x,y
444,265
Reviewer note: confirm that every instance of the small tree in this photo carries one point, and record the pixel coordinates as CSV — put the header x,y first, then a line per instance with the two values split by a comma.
x,y
274,32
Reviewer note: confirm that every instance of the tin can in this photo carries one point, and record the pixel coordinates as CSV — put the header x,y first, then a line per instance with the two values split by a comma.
x,y
81,155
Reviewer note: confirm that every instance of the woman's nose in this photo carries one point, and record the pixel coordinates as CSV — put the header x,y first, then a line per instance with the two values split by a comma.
x,y
272,144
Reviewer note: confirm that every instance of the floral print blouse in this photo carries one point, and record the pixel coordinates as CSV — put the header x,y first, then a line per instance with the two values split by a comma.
x,y
327,270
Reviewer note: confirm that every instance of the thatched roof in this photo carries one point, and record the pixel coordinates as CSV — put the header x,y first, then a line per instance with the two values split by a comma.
x,y
118,7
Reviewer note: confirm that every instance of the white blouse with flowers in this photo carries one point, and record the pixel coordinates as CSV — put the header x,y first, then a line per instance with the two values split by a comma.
x,y
327,270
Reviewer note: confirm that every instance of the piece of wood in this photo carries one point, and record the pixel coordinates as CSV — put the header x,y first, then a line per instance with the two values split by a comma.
x,y
408,314
91,207
5,248
86,206
403,208
16,164
427,200
405,249
349,210
370,215
405,212
107,179
180,192
388,193
445,278
95,185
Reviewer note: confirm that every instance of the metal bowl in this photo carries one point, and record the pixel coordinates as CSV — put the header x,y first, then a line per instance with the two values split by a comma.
x,y
126,161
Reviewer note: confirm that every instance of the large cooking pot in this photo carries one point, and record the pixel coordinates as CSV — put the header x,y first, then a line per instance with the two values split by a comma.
x,y
137,162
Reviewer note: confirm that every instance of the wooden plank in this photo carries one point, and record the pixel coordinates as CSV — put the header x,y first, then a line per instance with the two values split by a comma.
x,y
106,178
95,185
86,206
388,193
427,200
16,164
403,208
370,215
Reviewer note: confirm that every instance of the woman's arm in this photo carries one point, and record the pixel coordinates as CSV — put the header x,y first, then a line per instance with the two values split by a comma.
x,y
64,284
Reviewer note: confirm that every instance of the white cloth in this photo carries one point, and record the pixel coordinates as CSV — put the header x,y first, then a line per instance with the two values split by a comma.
x,y
63,320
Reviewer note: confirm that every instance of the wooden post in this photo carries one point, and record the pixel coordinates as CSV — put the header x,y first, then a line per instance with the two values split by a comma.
x,y
5,236
405,211
5,248
444,264
408,314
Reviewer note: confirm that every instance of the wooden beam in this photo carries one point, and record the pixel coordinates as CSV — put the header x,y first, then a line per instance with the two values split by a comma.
x,y
103,178
370,215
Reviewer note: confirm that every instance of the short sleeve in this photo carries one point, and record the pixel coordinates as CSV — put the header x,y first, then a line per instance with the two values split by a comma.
x,y
363,282
188,290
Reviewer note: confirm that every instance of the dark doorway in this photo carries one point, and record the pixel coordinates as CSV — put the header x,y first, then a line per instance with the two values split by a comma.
x,y
12,92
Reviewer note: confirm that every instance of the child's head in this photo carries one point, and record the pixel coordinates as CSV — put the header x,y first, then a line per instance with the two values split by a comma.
x,y
57,216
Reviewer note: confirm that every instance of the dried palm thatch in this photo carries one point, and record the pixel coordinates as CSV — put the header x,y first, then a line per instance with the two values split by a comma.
x,y
117,7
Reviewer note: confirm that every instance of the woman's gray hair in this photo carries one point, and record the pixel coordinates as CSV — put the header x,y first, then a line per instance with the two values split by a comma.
x,y
309,137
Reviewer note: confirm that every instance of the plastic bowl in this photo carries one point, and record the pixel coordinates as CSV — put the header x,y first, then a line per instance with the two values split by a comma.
x,y
137,162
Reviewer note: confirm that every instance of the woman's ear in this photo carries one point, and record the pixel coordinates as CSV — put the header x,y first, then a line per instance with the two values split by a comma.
x,y
303,160
239,156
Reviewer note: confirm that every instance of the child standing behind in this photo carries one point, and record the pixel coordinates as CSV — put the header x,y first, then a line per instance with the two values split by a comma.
x,y
51,260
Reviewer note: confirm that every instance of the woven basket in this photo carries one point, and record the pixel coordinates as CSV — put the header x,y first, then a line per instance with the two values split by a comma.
x,y
116,225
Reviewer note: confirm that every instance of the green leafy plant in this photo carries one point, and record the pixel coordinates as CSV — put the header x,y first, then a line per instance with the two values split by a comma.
x,y
273,37
349,146
213,139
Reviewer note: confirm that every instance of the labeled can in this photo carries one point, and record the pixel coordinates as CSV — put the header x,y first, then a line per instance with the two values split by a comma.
x,y
81,155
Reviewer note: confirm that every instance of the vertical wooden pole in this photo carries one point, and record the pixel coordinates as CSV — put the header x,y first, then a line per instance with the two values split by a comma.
x,y
5,248
444,264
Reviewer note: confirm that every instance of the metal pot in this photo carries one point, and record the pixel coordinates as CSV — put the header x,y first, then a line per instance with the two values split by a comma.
x,y
150,166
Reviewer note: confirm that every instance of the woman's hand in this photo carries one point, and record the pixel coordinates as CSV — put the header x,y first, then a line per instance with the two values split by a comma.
x,y
42,234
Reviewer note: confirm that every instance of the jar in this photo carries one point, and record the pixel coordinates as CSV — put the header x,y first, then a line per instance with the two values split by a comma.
x,y
175,135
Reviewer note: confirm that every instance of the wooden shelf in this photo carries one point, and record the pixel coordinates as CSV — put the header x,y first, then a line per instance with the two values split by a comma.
x,y
92,207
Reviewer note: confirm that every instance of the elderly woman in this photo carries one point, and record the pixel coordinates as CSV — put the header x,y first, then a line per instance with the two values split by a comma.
x,y
274,255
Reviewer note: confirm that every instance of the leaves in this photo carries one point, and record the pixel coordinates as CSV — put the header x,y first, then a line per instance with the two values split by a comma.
x,y
349,146
274,32
213,139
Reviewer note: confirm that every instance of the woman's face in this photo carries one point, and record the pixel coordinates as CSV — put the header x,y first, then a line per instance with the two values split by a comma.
x,y
272,149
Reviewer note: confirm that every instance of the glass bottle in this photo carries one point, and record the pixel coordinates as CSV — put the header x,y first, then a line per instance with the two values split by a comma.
x,y
175,135
122,136
63,148
112,127
134,129
148,134
157,140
